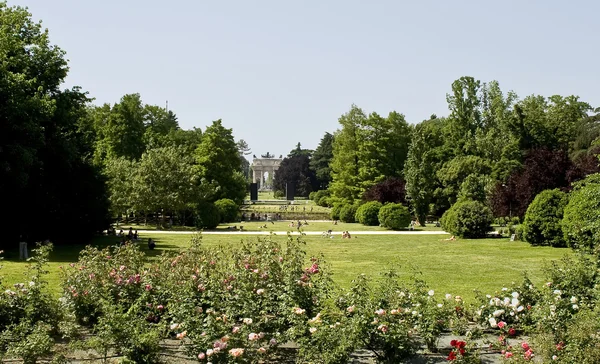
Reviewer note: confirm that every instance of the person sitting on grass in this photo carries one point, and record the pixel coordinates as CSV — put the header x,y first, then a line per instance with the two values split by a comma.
x,y
452,238
151,244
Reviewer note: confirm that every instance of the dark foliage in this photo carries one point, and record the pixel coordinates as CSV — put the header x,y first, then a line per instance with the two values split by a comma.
x,y
542,169
295,169
542,224
391,189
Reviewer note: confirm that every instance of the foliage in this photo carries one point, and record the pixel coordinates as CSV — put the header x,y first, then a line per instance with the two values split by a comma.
x,y
425,157
542,170
44,139
542,224
467,219
348,212
580,224
295,169
474,187
228,210
391,189
367,213
219,164
207,215
321,158
335,211
394,216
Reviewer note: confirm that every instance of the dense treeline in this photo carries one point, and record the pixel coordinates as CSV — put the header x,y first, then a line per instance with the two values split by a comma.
x,y
68,168
493,148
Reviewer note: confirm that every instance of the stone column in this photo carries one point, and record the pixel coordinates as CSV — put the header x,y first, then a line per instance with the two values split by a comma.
x,y
253,175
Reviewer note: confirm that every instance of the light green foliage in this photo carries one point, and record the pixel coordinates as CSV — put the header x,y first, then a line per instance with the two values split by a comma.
x,y
344,164
165,179
474,187
394,216
219,164
580,225
120,174
425,156
367,213
542,224
454,172
228,210
465,115
467,219
348,213
335,211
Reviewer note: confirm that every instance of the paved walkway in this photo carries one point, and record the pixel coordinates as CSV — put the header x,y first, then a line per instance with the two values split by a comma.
x,y
388,232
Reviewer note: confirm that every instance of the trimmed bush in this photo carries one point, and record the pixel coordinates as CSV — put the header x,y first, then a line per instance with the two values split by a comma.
x,y
542,224
467,219
207,216
394,216
348,213
228,209
335,211
580,224
367,214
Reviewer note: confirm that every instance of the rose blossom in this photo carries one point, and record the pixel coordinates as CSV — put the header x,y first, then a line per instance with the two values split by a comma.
x,y
253,336
247,321
431,292
260,291
236,352
351,309
380,312
201,356
501,324
298,310
261,350
312,330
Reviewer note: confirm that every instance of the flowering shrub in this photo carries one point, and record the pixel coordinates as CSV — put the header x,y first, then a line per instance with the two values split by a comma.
x,y
510,306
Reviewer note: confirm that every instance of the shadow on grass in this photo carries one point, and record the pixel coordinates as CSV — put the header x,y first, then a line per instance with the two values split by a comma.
x,y
68,253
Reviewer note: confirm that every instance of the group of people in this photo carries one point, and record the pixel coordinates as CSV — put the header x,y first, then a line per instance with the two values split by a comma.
x,y
346,235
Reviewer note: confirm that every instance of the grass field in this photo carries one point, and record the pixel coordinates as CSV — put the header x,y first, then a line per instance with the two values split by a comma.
x,y
456,267
319,226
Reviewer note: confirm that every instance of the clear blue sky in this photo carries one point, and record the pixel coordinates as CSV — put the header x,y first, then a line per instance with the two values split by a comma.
x,y
280,72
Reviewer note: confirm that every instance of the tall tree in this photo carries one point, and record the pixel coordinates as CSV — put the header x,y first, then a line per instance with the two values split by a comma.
x,y
44,176
295,169
219,165
321,159
425,156
344,164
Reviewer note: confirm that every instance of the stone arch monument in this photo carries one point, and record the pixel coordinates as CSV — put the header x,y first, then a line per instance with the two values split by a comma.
x,y
262,167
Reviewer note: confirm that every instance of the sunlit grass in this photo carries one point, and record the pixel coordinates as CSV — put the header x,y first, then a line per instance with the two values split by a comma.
x,y
456,267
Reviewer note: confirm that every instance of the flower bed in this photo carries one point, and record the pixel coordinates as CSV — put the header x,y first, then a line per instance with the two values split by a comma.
x,y
243,304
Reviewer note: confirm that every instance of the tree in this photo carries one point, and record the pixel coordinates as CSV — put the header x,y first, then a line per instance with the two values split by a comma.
x,y
120,129
425,156
321,158
344,164
44,174
218,162
228,210
542,169
391,189
465,115
295,169
542,223
454,172
165,181
244,150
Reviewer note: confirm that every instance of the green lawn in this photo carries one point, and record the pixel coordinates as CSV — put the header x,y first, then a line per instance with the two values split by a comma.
x,y
319,226
456,267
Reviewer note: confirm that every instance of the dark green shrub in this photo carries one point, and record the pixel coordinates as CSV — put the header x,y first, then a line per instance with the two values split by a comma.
x,y
580,224
367,214
348,213
207,216
467,219
335,211
317,195
542,224
228,210
394,216
311,196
